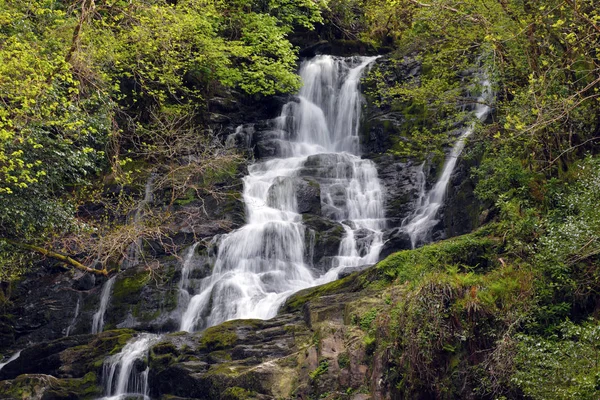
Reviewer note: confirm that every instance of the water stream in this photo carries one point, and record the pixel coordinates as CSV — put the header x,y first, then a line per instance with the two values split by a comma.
x,y
132,254
420,223
11,359
98,320
75,315
125,374
259,265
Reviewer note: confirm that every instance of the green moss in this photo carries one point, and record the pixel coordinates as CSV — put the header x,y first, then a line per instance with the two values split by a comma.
x,y
320,370
220,356
370,343
85,387
347,283
237,393
36,386
188,198
470,252
223,336
227,369
129,286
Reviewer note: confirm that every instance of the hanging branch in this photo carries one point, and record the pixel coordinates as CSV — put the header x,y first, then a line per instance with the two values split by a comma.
x,y
86,7
445,7
60,257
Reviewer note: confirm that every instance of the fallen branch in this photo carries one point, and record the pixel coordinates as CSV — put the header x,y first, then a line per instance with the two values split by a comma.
x,y
60,257
445,7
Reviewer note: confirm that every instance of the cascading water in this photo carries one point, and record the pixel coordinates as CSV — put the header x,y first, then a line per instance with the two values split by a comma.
x,y
184,294
419,224
11,359
98,320
121,375
132,256
259,265
76,314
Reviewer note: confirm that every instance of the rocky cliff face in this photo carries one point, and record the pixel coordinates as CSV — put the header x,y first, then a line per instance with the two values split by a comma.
x,y
311,349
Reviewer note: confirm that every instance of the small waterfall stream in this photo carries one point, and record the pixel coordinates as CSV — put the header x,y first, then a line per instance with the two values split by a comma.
x,y
98,320
132,254
10,359
121,373
188,265
419,224
75,315
261,264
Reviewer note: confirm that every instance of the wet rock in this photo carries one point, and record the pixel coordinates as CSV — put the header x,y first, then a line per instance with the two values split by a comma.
x,y
42,307
84,281
384,123
395,240
461,210
401,185
142,300
323,239
306,194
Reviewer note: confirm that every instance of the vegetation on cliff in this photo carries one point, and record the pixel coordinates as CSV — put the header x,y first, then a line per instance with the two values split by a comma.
x,y
504,328
99,97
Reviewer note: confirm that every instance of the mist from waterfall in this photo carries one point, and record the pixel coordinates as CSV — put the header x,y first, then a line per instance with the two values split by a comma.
x,y
261,264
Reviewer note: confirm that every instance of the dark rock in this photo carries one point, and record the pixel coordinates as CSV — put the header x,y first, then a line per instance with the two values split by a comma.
x,y
270,148
142,301
323,239
401,184
393,241
384,123
84,281
307,194
462,211
340,47
42,305
242,137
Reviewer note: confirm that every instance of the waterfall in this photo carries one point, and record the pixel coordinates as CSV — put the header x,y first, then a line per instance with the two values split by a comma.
x,y
132,256
75,315
184,294
261,264
98,320
121,374
11,359
419,224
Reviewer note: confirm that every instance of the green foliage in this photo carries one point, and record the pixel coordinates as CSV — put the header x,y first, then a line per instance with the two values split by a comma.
x,y
562,366
367,319
114,88
439,324
468,252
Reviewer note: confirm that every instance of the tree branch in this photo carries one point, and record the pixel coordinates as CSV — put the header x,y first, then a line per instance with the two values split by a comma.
x,y
60,257
454,10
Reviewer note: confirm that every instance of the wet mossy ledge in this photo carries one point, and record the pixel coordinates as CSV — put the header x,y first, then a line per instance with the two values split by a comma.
x,y
372,334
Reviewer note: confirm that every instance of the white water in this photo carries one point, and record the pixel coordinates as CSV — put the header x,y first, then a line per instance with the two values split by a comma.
x,y
76,314
132,256
259,265
120,376
419,224
98,320
11,359
184,283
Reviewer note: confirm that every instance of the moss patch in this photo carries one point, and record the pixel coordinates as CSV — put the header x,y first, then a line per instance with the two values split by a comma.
x,y
129,286
237,393
469,252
